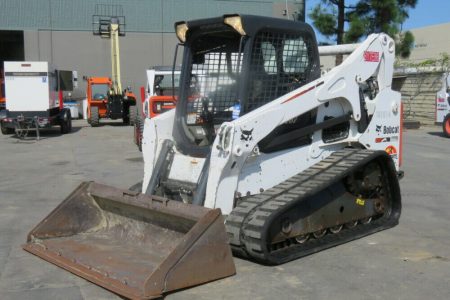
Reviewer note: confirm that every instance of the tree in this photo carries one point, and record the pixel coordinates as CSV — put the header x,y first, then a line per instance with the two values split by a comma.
x,y
373,16
365,17
329,18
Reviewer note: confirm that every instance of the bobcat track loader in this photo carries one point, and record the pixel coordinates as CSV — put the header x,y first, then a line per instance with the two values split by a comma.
x,y
443,105
296,162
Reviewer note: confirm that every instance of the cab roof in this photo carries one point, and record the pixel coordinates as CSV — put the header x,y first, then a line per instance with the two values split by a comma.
x,y
251,24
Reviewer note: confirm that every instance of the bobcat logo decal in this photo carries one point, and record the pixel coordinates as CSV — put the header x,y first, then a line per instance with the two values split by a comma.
x,y
246,135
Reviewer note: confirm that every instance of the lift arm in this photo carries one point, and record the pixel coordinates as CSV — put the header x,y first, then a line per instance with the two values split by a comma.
x,y
115,56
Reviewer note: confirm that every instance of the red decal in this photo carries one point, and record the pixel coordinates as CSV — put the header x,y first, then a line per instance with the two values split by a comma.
x,y
371,56
441,100
302,92
400,145
391,150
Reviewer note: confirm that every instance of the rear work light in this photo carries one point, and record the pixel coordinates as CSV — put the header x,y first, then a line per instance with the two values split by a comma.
x,y
157,107
160,107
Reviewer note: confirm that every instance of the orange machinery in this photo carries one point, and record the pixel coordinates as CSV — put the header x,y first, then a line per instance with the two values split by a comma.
x,y
2,91
106,98
104,104
97,98
157,97
160,104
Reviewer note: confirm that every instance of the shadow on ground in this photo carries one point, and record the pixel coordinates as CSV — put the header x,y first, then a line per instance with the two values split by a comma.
x,y
117,123
44,134
436,133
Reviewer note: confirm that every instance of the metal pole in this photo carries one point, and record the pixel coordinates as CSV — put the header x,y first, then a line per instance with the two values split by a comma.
x,y
302,11
337,49
162,31
299,12
51,30
287,9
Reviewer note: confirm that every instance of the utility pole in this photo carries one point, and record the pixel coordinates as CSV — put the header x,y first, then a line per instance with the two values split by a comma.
x,y
298,13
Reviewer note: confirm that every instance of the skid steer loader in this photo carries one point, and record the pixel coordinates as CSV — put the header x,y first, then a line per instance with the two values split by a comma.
x,y
443,105
297,163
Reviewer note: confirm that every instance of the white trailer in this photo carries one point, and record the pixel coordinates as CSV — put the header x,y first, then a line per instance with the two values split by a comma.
x,y
34,93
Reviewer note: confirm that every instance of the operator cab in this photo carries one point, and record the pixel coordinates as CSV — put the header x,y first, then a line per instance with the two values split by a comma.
x,y
99,91
234,65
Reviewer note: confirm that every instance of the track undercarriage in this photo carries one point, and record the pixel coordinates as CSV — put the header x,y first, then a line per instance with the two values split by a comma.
x,y
349,195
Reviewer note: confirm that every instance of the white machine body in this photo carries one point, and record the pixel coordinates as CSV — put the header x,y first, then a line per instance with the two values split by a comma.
x,y
443,99
150,89
30,86
236,165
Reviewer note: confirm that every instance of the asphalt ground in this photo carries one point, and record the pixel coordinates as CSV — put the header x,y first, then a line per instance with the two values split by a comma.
x,y
410,261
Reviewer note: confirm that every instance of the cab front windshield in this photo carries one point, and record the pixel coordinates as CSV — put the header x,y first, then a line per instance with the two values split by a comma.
x,y
100,91
212,93
273,64
277,64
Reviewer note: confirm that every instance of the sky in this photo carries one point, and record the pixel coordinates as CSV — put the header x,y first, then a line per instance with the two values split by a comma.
x,y
426,13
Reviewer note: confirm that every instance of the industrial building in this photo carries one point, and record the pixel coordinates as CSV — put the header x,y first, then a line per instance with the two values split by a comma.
x,y
419,84
60,31
429,42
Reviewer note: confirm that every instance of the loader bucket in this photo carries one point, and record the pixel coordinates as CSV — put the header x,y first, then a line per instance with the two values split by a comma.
x,y
135,245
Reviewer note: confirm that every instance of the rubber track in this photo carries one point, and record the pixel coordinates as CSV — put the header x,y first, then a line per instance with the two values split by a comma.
x,y
249,222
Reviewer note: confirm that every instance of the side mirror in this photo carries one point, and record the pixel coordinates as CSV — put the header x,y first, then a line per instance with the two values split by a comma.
x,y
75,79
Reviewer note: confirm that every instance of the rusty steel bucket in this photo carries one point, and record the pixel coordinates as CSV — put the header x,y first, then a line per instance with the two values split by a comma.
x,y
135,245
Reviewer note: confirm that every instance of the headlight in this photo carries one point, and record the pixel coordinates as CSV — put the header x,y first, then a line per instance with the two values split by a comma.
x,y
181,31
236,23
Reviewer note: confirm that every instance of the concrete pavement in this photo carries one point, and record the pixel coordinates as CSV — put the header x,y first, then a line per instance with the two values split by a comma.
x,y
410,261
